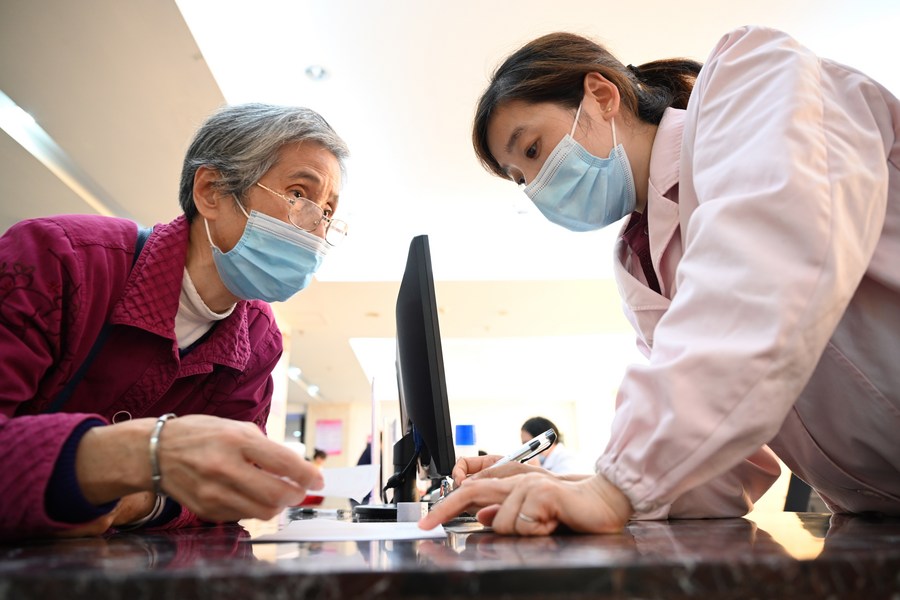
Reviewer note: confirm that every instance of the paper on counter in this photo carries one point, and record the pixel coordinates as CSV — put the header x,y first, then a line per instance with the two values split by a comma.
x,y
330,530
348,482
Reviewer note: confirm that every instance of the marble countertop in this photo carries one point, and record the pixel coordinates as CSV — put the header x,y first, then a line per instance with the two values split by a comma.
x,y
780,555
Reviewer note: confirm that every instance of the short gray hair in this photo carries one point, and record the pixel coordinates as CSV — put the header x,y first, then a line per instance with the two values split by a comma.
x,y
241,142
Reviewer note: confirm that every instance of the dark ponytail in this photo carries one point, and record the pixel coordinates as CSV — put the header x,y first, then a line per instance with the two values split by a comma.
x,y
552,69
663,84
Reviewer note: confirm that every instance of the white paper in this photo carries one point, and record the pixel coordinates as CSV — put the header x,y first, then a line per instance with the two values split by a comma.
x,y
348,482
330,530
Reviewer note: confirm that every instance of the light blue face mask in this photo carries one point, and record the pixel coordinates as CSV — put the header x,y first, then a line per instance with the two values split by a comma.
x,y
272,261
580,191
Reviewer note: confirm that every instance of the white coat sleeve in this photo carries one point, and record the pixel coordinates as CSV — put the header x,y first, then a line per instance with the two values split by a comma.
x,y
783,173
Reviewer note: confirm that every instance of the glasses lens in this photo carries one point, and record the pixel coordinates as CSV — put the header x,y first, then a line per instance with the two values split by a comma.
x,y
305,214
336,232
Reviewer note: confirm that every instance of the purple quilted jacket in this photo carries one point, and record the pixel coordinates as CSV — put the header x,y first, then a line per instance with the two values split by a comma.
x,y
61,279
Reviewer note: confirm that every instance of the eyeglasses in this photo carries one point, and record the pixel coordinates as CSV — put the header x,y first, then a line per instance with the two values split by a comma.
x,y
307,215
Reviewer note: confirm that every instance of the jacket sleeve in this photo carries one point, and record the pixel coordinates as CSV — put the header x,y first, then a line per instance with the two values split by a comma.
x,y
731,494
790,182
41,287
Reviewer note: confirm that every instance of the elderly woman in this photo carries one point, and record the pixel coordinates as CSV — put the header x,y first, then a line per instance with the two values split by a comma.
x,y
106,335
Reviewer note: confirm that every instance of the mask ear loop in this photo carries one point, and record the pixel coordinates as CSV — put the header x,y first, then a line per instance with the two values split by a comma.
x,y
208,236
612,121
241,206
575,124
206,224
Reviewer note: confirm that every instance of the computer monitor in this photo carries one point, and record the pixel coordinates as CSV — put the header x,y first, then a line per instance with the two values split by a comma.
x,y
427,436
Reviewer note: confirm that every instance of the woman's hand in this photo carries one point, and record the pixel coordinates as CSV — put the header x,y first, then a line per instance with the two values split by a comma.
x,y
224,470
468,466
535,504
476,467
220,469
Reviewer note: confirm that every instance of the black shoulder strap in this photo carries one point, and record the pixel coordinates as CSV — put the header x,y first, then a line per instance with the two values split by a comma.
x,y
143,234
63,396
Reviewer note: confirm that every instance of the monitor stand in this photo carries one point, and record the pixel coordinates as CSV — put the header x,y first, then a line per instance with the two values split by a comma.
x,y
375,513
403,482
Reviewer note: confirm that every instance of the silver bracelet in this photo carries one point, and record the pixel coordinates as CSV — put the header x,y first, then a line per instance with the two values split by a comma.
x,y
155,475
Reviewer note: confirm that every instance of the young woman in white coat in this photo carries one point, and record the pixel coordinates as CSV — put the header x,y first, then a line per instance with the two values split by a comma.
x,y
759,262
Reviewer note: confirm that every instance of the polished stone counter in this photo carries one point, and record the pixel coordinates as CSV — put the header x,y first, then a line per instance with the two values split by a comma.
x,y
779,555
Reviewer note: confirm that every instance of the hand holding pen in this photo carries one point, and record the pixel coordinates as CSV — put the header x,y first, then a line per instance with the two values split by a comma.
x,y
489,466
529,449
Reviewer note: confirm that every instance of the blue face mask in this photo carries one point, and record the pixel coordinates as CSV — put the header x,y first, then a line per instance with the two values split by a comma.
x,y
581,192
272,261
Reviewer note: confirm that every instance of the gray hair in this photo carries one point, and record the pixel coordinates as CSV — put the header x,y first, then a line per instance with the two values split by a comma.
x,y
241,142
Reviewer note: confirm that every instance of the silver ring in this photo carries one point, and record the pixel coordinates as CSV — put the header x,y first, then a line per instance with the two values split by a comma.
x,y
526,518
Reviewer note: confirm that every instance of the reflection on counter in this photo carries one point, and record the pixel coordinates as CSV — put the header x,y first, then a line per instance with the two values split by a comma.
x,y
800,534
782,555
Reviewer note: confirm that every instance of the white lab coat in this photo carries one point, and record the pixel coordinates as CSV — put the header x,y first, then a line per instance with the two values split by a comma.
x,y
774,223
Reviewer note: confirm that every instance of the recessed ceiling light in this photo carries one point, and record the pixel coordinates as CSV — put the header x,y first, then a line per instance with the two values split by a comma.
x,y
316,72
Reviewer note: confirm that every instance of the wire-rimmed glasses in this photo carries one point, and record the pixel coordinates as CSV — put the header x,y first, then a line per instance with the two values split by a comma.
x,y
307,215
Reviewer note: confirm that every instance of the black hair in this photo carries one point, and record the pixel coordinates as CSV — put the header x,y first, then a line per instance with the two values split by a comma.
x,y
535,426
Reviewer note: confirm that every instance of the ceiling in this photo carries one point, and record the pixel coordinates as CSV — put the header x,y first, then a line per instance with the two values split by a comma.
x,y
527,310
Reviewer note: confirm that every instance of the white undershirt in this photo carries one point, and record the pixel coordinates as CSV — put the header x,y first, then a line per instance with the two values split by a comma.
x,y
194,318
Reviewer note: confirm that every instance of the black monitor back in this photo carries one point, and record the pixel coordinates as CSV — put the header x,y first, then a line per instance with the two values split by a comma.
x,y
424,407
